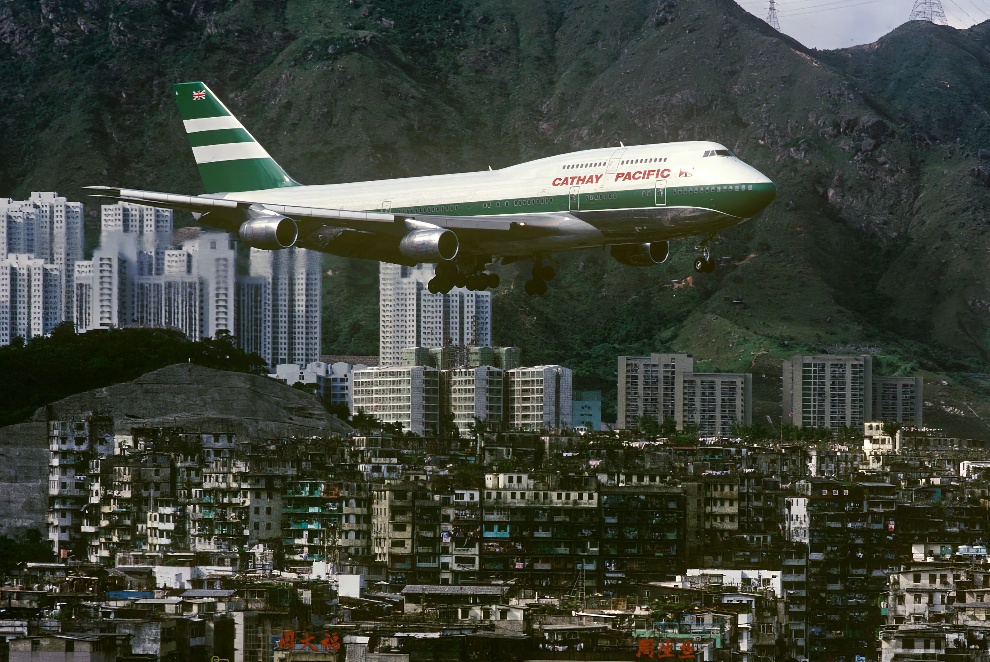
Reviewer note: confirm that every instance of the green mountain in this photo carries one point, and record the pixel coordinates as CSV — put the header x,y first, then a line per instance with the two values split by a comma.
x,y
875,243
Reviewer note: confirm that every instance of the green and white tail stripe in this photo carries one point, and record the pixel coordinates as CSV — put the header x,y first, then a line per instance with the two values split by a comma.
x,y
229,158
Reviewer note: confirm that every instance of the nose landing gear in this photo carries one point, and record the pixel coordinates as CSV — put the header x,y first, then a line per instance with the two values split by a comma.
x,y
704,263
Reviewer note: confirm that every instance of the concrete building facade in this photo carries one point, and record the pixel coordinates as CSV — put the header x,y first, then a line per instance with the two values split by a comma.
x,y
411,316
476,393
898,400
30,297
713,402
293,298
647,387
828,391
540,398
408,395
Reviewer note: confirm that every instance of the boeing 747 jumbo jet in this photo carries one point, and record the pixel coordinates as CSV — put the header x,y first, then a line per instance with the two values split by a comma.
x,y
632,199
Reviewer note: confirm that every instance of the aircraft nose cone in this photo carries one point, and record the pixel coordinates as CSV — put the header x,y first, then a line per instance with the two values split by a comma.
x,y
766,195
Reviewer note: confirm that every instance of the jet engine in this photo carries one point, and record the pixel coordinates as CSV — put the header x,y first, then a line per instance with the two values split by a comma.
x,y
641,255
430,245
270,233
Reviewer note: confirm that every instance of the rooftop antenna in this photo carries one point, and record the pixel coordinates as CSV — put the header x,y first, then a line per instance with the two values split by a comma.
x,y
772,15
925,10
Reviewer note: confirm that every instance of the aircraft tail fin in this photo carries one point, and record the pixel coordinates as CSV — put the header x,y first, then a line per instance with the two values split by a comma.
x,y
228,157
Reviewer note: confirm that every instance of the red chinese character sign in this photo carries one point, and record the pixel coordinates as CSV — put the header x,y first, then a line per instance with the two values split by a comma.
x,y
665,649
647,648
306,641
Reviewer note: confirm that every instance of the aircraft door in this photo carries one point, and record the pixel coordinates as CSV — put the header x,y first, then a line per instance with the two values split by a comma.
x,y
387,206
614,160
574,199
661,193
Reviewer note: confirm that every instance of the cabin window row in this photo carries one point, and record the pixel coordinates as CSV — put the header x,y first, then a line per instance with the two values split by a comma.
x,y
713,189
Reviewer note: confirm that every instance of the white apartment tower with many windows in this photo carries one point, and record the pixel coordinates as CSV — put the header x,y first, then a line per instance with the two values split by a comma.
x,y
284,286
136,279
413,317
409,395
152,228
30,297
41,239
540,398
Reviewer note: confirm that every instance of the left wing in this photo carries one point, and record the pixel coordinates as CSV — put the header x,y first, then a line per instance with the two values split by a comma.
x,y
366,234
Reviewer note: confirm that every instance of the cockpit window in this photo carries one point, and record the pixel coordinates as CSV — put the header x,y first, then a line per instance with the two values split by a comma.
x,y
718,152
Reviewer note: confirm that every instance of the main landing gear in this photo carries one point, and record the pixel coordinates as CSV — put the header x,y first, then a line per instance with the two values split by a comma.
x,y
541,274
704,264
449,275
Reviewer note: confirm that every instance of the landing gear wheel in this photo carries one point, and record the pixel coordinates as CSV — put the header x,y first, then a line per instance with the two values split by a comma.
x,y
547,272
446,270
704,266
493,280
536,287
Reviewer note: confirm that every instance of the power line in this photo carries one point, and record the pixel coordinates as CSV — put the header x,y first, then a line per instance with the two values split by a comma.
x,y
801,11
772,16
928,10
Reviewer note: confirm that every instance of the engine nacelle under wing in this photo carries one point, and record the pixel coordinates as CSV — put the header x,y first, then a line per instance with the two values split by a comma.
x,y
430,245
641,255
271,233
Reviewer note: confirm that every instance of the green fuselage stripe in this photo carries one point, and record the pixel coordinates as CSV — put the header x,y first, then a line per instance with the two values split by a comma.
x,y
219,137
739,200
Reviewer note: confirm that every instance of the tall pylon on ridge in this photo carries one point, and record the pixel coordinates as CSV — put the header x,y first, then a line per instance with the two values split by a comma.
x,y
926,10
772,15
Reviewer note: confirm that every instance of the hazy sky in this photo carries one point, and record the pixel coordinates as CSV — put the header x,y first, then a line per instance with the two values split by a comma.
x,y
842,23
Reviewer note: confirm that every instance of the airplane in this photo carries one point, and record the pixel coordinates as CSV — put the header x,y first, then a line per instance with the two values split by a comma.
x,y
634,200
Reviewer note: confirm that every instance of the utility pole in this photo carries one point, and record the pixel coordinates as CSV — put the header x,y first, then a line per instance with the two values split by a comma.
x,y
925,10
772,16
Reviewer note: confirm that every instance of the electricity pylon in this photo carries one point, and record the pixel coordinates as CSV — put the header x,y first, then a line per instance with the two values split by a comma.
x,y
772,16
927,10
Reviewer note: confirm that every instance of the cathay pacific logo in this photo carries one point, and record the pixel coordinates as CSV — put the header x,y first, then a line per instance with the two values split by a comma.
x,y
685,173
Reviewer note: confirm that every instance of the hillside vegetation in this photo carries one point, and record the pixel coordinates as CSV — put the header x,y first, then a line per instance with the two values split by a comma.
x,y
877,241
51,368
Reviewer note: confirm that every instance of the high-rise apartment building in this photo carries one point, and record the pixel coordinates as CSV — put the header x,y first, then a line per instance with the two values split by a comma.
x,y
409,395
666,388
292,279
49,228
30,297
190,289
475,393
714,402
104,286
828,391
124,284
151,226
647,387
898,400
540,397
413,317
254,315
